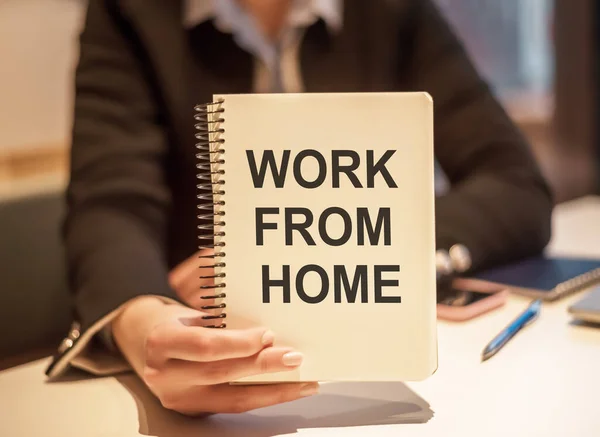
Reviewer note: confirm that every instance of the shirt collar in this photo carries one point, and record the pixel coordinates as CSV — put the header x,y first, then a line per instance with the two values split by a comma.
x,y
227,12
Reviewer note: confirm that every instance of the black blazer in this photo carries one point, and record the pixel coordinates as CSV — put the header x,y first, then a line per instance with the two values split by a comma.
x,y
131,199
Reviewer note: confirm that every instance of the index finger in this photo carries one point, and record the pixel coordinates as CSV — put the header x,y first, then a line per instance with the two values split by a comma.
x,y
195,343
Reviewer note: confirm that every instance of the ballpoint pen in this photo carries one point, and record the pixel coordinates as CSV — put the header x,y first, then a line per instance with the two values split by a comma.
x,y
524,319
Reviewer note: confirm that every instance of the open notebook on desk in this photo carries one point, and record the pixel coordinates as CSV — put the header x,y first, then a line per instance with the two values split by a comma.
x,y
544,277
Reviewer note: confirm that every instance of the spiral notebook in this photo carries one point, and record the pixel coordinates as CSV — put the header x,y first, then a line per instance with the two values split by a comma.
x,y
543,277
321,208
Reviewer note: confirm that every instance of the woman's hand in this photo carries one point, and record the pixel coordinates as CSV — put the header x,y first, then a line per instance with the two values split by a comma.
x,y
188,366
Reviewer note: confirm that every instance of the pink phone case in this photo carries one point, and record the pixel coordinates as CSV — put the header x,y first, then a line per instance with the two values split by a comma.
x,y
496,299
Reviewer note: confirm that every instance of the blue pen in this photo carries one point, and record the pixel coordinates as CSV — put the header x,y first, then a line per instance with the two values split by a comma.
x,y
524,319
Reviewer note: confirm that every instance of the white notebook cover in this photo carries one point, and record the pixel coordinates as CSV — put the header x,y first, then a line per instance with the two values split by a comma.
x,y
341,341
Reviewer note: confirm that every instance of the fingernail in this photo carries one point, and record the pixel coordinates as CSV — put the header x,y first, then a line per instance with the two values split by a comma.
x,y
292,359
309,389
268,338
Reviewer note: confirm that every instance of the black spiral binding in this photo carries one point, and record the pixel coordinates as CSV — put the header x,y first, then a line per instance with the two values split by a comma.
x,y
210,150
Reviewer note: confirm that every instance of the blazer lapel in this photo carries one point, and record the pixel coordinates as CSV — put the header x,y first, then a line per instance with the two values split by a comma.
x,y
159,26
183,77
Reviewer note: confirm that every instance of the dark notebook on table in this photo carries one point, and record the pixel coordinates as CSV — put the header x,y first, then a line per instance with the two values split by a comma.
x,y
547,278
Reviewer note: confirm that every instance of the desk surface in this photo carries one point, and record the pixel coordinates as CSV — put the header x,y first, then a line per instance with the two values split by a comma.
x,y
544,383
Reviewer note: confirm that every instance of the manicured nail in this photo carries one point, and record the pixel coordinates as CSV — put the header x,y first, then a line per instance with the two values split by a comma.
x,y
268,338
292,359
309,389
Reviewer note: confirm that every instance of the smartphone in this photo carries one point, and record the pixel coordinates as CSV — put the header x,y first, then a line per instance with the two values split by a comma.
x,y
459,303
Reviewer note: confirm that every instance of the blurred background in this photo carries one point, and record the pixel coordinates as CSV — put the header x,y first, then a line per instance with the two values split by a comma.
x,y
540,57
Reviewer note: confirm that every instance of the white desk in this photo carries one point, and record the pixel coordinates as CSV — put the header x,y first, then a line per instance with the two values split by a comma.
x,y
544,383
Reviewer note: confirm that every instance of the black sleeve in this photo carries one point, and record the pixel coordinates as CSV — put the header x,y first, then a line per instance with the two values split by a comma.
x,y
118,198
499,205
